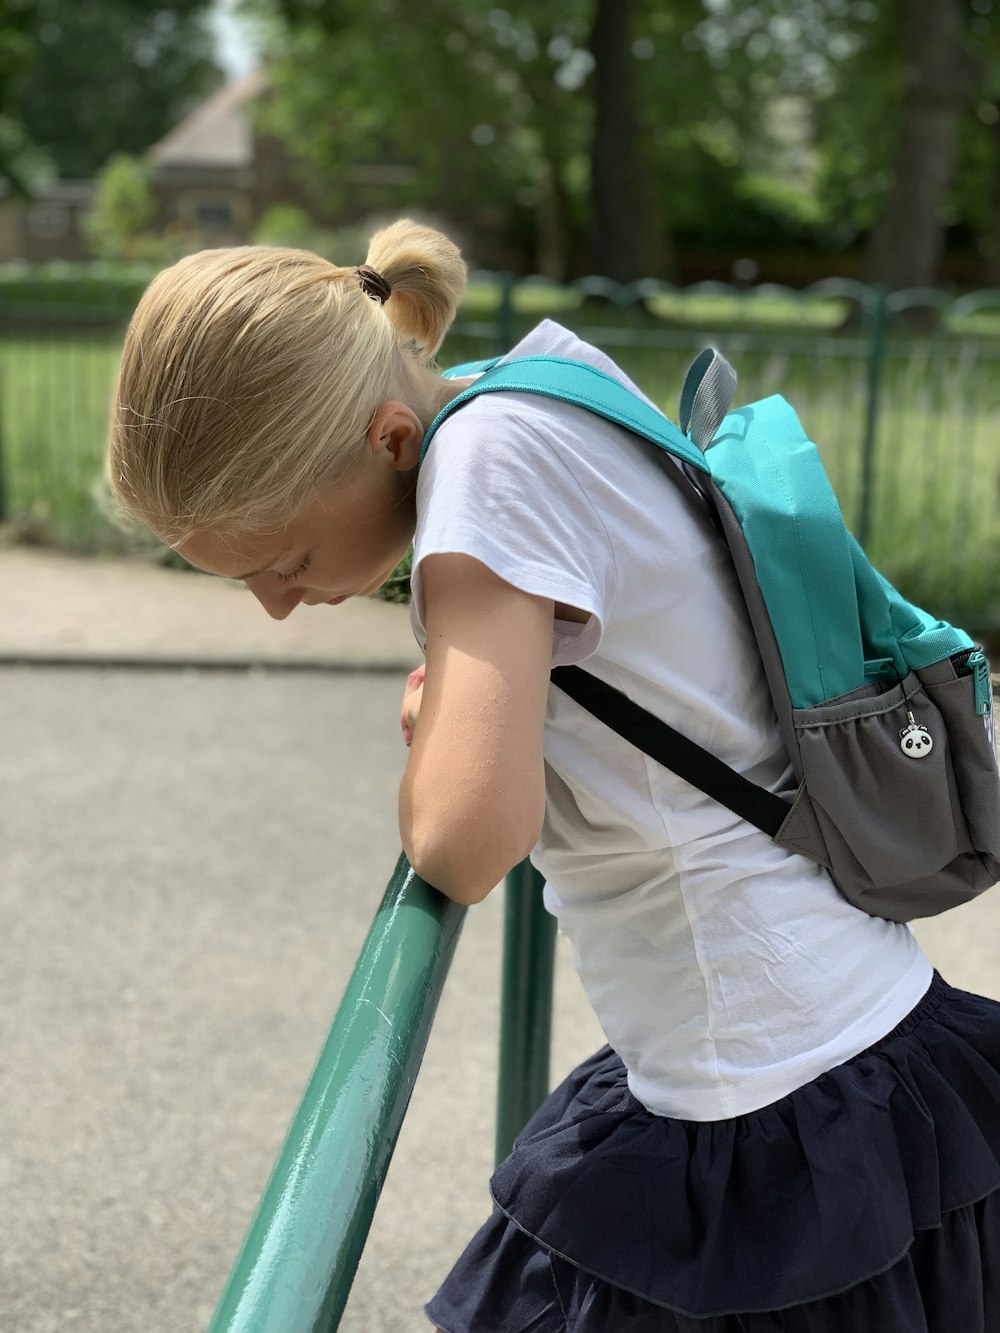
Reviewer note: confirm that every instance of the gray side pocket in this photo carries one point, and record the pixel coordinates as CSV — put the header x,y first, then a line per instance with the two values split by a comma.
x,y
893,814
970,737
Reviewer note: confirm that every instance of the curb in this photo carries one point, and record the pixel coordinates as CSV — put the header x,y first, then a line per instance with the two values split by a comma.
x,y
257,665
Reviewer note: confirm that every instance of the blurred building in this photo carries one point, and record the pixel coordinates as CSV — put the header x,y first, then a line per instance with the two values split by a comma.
x,y
217,173
47,226
214,176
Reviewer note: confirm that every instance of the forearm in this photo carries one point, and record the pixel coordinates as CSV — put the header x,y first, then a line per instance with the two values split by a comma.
x,y
473,796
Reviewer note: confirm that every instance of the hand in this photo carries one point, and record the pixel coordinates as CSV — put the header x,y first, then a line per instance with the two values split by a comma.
x,y
412,696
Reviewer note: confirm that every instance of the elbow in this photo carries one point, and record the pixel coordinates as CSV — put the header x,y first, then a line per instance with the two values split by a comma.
x,y
454,882
466,868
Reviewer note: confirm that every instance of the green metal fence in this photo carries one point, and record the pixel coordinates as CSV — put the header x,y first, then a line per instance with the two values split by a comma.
x,y
295,1269
901,391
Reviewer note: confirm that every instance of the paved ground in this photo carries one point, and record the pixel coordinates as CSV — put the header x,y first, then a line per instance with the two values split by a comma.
x,y
189,860
56,608
190,863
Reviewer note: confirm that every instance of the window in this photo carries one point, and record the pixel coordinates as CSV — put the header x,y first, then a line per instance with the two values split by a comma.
x,y
214,213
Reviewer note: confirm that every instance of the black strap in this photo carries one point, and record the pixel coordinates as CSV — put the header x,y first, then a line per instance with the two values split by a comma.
x,y
661,742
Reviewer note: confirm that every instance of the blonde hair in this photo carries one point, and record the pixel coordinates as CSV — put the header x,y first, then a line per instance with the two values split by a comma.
x,y
250,375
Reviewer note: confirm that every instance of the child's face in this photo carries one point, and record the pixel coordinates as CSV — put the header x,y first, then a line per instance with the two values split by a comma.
x,y
345,543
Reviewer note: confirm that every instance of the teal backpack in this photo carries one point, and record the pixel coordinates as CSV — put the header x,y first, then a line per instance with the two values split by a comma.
x,y
886,712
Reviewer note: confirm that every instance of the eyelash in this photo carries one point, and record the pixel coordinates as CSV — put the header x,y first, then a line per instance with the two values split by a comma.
x,y
294,574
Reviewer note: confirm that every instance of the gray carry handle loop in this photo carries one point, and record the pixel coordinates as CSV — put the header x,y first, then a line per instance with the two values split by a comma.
x,y
707,396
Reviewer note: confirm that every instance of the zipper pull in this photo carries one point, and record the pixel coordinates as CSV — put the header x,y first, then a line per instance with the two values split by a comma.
x,y
980,669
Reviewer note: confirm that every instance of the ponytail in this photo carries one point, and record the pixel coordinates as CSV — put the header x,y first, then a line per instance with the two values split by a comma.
x,y
427,276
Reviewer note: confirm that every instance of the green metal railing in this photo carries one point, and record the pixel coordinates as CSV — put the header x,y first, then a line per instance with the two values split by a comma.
x,y
298,1260
525,1004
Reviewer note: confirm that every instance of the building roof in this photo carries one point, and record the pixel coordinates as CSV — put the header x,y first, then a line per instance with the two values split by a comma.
x,y
218,133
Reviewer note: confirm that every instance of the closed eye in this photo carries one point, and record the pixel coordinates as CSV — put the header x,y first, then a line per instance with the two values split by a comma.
x,y
293,574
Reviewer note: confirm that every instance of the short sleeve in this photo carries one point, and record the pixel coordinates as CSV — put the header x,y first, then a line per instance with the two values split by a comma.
x,y
501,483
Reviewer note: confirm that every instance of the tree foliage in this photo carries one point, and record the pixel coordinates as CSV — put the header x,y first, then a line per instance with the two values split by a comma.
x,y
110,77
859,120
582,134
123,209
753,122
908,237
478,103
18,45
496,109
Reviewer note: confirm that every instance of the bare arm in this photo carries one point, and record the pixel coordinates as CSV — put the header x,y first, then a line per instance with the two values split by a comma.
x,y
472,798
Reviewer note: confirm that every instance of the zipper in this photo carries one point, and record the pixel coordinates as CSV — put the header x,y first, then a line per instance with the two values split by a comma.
x,y
973,662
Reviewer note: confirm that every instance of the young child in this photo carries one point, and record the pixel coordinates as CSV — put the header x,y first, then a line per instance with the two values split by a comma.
x,y
795,1127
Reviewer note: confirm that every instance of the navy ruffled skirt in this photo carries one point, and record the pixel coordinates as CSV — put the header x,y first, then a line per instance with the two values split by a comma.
x,y
867,1201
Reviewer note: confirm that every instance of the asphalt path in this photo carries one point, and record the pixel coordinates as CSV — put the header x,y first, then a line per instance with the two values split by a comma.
x,y
189,861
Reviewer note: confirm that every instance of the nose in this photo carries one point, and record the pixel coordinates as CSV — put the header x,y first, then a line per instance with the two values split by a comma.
x,y
277,601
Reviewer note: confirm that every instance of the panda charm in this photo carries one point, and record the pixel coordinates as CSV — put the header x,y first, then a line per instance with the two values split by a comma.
x,y
915,740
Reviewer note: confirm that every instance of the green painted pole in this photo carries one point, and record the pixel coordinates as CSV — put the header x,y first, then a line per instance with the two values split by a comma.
x,y
300,1255
526,1004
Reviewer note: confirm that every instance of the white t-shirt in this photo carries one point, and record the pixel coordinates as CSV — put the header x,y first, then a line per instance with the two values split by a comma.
x,y
725,971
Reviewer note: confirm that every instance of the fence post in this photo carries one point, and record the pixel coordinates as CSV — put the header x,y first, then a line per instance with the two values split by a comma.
x,y
505,314
526,1004
875,307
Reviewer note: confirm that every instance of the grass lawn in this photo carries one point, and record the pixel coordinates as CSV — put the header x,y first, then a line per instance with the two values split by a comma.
x,y
55,393
933,521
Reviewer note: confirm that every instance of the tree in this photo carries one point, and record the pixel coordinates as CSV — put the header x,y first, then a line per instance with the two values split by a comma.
x,y
991,237
526,116
978,184
112,77
907,241
904,135
594,133
617,240
476,102
18,49
123,209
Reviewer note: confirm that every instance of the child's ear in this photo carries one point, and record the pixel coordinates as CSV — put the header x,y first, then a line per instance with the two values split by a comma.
x,y
396,434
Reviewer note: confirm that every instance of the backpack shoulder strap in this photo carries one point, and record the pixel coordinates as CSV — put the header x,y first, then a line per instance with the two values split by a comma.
x,y
673,750
583,385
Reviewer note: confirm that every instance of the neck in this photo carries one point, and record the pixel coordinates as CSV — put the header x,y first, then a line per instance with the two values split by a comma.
x,y
429,392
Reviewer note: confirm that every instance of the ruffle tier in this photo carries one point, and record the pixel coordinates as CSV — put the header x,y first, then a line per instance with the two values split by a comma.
x,y
506,1281
790,1204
